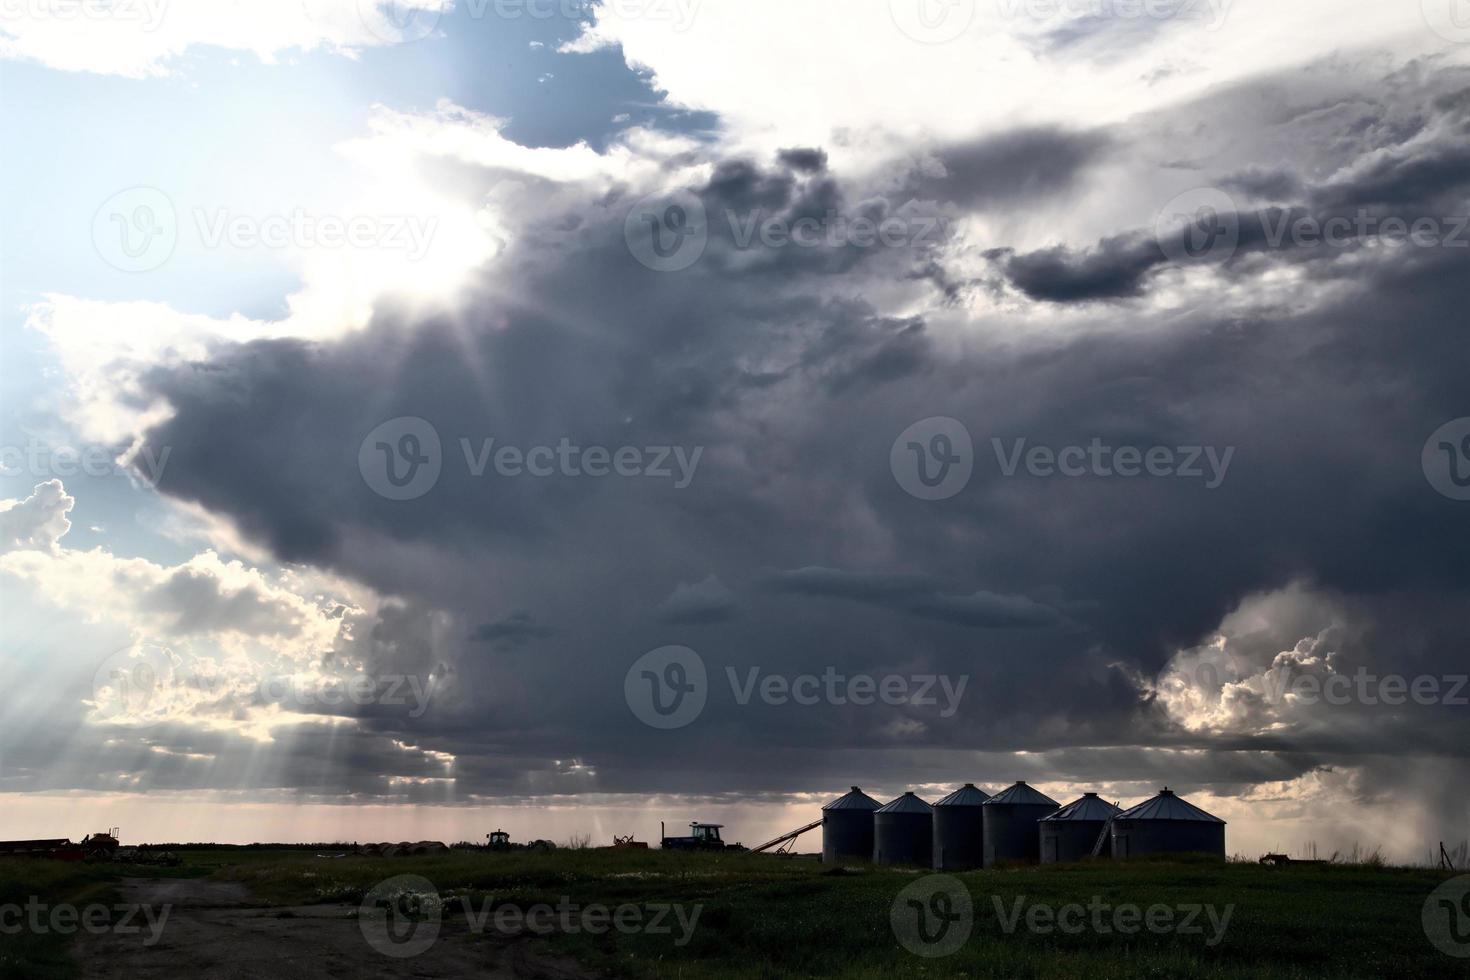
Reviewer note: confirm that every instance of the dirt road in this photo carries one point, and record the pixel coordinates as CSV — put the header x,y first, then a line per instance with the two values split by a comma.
x,y
204,930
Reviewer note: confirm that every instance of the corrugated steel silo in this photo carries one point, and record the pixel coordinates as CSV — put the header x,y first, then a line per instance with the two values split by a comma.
x,y
1010,824
959,835
1072,832
847,828
1167,824
903,832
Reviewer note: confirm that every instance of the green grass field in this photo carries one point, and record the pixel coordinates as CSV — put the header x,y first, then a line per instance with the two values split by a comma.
x,y
762,916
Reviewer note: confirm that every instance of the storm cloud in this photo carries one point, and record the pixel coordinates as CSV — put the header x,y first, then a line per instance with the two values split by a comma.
x,y
1071,599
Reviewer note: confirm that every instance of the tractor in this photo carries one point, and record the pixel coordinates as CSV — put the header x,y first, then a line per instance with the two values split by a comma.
x,y
499,841
702,837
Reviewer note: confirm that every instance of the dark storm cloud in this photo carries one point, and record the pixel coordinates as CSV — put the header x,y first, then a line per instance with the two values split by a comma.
x,y
703,602
794,388
914,595
1011,167
1394,162
1269,183
809,160
1114,269
512,632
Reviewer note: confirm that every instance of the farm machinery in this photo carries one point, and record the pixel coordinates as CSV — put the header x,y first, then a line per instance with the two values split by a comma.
x,y
702,837
499,841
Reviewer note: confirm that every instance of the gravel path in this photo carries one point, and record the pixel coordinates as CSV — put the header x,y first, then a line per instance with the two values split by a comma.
x,y
212,931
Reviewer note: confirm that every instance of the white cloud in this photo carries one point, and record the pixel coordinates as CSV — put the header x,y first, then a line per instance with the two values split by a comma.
x,y
141,38
842,74
220,640
509,190
37,522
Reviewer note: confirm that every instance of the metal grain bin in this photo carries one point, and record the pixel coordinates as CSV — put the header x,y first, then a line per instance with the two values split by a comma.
x,y
1167,824
1072,833
903,832
959,837
1010,824
847,828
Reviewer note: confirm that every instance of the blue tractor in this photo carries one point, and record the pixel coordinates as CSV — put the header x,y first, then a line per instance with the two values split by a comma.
x,y
702,837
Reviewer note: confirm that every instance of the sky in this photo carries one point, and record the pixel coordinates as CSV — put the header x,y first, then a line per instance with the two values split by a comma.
x,y
421,417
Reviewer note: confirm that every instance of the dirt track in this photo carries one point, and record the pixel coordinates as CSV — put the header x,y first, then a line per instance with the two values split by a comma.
x,y
214,932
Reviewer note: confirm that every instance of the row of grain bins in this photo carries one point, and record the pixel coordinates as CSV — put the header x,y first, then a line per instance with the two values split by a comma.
x,y
972,829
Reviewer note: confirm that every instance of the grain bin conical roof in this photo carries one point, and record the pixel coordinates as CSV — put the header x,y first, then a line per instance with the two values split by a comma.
x,y
1167,806
855,800
1022,795
1089,807
907,803
967,795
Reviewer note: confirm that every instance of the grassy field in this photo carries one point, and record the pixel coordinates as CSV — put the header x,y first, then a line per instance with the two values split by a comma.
x,y
761,916
24,953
